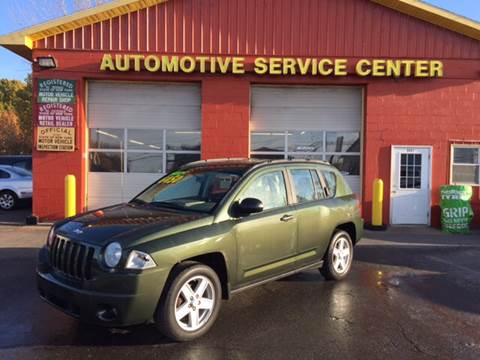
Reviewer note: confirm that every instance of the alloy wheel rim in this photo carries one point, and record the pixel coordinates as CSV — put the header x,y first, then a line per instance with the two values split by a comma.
x,y
195,303
6,201
341,255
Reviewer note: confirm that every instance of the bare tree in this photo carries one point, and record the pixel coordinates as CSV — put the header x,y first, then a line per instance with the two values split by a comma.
x,y
28,12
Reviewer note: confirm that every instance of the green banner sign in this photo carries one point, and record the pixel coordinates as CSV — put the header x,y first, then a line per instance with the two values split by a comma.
x,y
56,91
457,213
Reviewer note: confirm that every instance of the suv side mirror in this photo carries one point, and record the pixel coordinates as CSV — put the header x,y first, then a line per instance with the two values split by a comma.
x,y
248,206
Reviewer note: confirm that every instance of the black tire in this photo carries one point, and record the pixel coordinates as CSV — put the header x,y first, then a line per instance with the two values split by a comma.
x,y
8,200
165,319
328,269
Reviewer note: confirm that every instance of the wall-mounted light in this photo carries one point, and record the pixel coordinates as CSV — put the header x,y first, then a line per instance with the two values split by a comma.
x,y
47,62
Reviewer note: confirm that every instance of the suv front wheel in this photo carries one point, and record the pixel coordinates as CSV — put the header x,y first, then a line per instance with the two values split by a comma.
x,y
339,257
191,304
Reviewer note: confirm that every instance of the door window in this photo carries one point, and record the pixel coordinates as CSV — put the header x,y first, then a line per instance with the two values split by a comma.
x,y
269,189
303,183
410,171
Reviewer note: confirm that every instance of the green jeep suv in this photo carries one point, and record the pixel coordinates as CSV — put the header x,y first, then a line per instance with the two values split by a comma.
x,y
197,236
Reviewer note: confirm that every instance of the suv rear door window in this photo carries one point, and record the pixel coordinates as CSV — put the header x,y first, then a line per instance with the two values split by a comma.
x,y
318,185
330,182
303,183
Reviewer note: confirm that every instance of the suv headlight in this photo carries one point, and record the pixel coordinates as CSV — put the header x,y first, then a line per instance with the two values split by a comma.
x,y
112,254
138,260
50,237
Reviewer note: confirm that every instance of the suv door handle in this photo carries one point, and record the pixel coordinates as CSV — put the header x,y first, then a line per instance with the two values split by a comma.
x,y
286,218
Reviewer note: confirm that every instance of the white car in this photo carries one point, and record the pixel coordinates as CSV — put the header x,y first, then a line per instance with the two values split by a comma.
x,y
15,184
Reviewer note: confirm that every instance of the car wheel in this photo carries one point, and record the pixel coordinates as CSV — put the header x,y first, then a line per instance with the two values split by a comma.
x,y
8,200
191,304
339,257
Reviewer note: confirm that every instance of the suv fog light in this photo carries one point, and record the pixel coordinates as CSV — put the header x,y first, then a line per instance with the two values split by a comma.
x,y
107,313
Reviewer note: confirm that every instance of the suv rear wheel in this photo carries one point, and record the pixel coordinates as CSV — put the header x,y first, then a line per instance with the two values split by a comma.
x,y
338,260
8,200
191,304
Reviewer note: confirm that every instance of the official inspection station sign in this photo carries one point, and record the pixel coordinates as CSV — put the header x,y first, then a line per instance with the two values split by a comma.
x,y
56,139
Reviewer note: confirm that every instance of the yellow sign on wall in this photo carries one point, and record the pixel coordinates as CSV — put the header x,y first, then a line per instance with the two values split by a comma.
x,y
56,139
273,66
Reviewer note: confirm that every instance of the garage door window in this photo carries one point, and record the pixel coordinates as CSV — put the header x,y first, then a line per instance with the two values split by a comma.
x,y
108,155
148,151
341,149
466,165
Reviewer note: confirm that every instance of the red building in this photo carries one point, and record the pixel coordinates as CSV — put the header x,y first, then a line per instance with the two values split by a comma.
x,y
384,88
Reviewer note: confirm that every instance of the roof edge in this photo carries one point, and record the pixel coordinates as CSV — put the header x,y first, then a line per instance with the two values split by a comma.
x,y
434,15
21,42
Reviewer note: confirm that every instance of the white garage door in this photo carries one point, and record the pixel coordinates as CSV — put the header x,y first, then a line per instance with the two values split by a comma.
x,y
137,132
322,123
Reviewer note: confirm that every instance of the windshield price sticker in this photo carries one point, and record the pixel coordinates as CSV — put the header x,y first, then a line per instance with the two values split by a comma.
x,y
173,177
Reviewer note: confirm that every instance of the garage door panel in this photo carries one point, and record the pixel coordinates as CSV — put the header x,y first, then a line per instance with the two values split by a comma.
x,y
331,118
124,116
143,94
135,183
298,97
157,107
104,189
278,111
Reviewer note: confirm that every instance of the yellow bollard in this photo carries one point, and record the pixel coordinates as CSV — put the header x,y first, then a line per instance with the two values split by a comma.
x,y
70,196
377,203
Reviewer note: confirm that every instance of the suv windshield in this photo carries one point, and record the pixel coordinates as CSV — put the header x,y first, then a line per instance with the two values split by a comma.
x,y
195,189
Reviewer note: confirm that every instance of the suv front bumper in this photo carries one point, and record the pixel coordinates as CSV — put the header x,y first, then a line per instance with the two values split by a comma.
x,y
131,299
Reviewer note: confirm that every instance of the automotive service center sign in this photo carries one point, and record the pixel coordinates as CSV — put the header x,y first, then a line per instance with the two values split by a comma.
x,y
56,115
273,66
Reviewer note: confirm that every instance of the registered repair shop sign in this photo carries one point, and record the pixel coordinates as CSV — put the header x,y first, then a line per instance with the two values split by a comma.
x,y
56,91
55,139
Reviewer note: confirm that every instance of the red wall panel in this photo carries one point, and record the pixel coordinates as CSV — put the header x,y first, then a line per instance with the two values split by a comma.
x,y
50,168
354,28
225,118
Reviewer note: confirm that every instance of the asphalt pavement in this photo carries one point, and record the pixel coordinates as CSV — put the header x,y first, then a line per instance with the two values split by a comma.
x,y
17,216
414,293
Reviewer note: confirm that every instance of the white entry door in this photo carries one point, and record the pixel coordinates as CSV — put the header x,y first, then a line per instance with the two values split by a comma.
x,y
410,189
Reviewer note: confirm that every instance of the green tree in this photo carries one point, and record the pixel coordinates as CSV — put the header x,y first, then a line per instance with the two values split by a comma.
x,y
16,116
8,93
10,133
23,109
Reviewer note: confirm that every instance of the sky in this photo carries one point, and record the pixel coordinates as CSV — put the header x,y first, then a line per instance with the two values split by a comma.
x,y
14,67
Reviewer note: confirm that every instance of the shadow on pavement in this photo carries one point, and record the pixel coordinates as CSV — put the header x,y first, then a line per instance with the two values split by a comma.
x,y
17,216
447,275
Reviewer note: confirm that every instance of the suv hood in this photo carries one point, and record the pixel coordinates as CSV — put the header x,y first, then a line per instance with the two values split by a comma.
x,y
126,220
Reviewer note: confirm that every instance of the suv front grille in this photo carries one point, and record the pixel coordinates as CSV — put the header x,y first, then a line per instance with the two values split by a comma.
x,y
72,259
